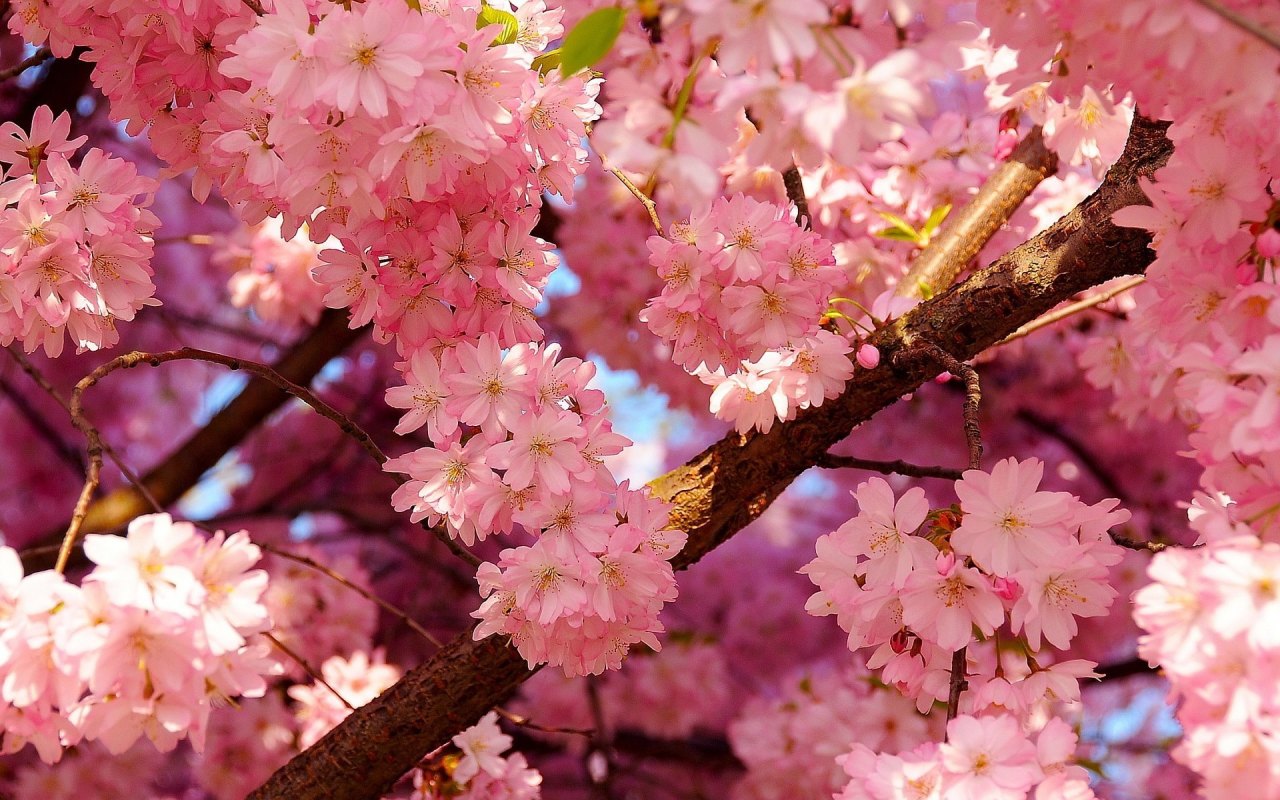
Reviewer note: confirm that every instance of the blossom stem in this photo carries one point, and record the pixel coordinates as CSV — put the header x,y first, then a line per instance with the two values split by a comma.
x,y
1074,308
677,113
1242,22
365,593
310,670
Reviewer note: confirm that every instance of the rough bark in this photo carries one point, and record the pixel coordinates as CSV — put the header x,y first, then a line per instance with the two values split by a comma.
x,y
724,488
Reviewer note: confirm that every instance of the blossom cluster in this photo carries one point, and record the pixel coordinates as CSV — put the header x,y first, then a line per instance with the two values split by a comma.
x,y
426,164
744,292
157,634
75,239
519,445
273,275
740,280
418,142
984,758
815,719
1211,621
1200,346
917,586
481,772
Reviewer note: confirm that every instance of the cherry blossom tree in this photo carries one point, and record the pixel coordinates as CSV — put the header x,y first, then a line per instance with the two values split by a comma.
x,y
376,369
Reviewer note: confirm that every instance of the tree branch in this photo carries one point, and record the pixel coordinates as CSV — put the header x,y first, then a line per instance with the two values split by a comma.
x,y
969,228
35,59
177,473
1243,23
731,483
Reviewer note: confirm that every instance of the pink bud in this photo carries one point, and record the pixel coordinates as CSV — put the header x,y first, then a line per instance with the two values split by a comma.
x,y
1006,588
868,356
1269,243
900,641
946,562
1006,140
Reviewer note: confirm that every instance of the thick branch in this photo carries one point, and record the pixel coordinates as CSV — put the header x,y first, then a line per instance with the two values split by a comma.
x,y
731,483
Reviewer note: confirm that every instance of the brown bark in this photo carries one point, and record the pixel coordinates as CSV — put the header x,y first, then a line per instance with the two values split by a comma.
x,y
721,490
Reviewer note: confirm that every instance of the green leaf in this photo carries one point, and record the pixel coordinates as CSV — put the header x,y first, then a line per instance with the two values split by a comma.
x,y
936,218
496,16
547,61
901,227
898,235
591,39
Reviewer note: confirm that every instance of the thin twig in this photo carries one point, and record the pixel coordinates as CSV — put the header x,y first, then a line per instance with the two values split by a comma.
x,y
639,194
269,374
832,461
795,193
69,455
1243,23
1073,309
365,593
34,60
45,384
1144,547
972,398
256,7
315,676
973,435
525,722
92,477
